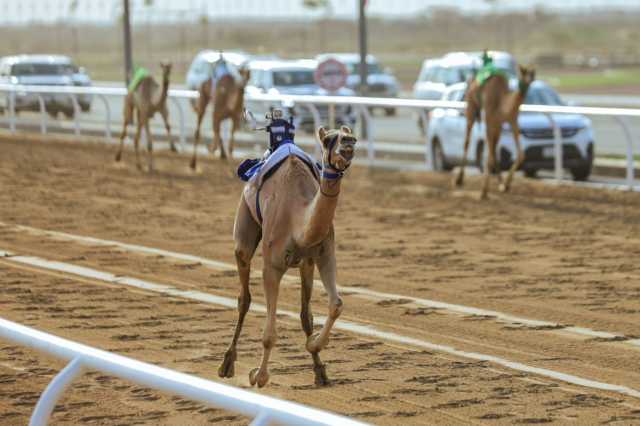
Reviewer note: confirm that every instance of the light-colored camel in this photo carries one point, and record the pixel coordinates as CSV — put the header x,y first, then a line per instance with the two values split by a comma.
x,y
228,102
146,100
499,105
297,231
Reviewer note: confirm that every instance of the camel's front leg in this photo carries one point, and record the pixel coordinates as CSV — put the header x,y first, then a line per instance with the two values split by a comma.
x,y
136,141
459,181
147,132
327,268
271,276
128,118
306,317
519,155
217,139
200,109
165,117
246,233
488,167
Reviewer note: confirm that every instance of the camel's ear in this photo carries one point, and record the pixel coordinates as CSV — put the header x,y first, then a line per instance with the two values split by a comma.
x,y
345,130
322,133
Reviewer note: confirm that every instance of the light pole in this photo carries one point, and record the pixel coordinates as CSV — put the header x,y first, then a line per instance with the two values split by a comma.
x,y
128,62
362,27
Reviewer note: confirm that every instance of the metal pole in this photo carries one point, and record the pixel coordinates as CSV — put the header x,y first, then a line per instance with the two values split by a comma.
x,y
128,62
362,27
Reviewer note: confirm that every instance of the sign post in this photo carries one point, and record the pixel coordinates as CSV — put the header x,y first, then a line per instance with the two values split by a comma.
x,y
331,75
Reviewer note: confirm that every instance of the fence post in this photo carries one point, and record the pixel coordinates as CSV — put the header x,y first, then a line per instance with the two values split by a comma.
x,y
316,124
107,108
630,161
53,392
12,111
43,114
76,114
368,127
428,160
557,151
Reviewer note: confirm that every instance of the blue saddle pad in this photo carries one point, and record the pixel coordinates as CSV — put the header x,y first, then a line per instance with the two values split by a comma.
x,y
263,169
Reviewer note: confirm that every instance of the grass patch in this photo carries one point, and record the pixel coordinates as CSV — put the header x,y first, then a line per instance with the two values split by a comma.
x,y
592,79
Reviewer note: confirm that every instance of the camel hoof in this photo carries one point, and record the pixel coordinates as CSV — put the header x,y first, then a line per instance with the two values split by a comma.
x,y
227,369
193,164
118,157
503,188
139,166
313,343
321,375
458,181
484,195
256,378
173,148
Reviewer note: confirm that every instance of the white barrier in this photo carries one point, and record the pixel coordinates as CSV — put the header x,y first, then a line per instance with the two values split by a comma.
x,y
263,409
362,105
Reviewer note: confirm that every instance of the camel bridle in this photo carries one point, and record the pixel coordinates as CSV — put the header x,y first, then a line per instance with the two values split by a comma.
x,y
336,172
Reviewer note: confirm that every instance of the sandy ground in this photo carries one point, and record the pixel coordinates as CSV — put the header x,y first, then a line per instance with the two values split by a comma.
x,y
559,254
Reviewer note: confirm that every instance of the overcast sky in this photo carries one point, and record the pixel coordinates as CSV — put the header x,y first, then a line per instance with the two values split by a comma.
x,y
104,11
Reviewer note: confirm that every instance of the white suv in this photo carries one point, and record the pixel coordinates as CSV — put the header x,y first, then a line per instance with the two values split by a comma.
x,y
447,129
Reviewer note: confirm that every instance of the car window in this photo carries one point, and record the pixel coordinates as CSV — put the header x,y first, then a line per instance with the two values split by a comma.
x,y
429,73
257,77
293,78
41,69
551,97
542,96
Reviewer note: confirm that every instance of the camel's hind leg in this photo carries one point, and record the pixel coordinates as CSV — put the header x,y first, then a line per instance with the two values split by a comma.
x,y
306,317
519,159
327,267
128,119
217,139
147,132
247,234
271,276
493,137
470,113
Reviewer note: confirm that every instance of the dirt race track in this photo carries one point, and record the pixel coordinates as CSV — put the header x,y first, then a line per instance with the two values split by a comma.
x,y
565,257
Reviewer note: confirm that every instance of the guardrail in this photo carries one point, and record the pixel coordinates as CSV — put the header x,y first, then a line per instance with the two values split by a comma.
x,y
361,104
264,409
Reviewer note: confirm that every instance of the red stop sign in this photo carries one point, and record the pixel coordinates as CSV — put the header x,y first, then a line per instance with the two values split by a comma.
x,y
331,75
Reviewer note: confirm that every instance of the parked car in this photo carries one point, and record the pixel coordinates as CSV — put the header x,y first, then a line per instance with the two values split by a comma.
x,y
455,67
49,70
381,83
447,132
280,77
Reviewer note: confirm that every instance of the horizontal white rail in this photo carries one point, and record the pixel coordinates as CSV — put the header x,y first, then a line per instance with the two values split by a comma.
x,y
263,409
361,104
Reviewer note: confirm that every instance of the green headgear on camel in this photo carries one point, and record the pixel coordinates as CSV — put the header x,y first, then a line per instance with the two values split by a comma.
x,y
488,69
139,74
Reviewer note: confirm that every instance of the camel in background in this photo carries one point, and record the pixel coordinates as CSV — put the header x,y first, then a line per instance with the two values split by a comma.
x,y
228,102
499,105
297,229
147,98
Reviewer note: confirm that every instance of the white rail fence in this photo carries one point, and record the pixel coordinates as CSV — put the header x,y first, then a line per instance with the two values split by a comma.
x,y
263,409
360,104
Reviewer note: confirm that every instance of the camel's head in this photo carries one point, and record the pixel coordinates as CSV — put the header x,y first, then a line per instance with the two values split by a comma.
x,y
166,69
245,74
526,76
338,148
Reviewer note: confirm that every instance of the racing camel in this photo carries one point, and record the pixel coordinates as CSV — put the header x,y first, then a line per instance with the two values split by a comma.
x,y
228,102
292,212
146,98
490,92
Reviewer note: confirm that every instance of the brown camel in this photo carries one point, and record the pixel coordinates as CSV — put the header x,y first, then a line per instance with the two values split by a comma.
x,y
228,102
297,229
499,106
147,99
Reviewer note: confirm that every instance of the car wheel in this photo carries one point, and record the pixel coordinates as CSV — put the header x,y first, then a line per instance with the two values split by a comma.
x,y
390,112
439,160
530,173
583,172
69,113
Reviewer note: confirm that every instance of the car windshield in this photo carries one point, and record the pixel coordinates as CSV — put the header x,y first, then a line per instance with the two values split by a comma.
x,y
354,68
542,96
41,69
293,78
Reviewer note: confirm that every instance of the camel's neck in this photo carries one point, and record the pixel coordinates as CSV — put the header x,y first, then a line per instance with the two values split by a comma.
x,y
163,93
513,101
320,212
